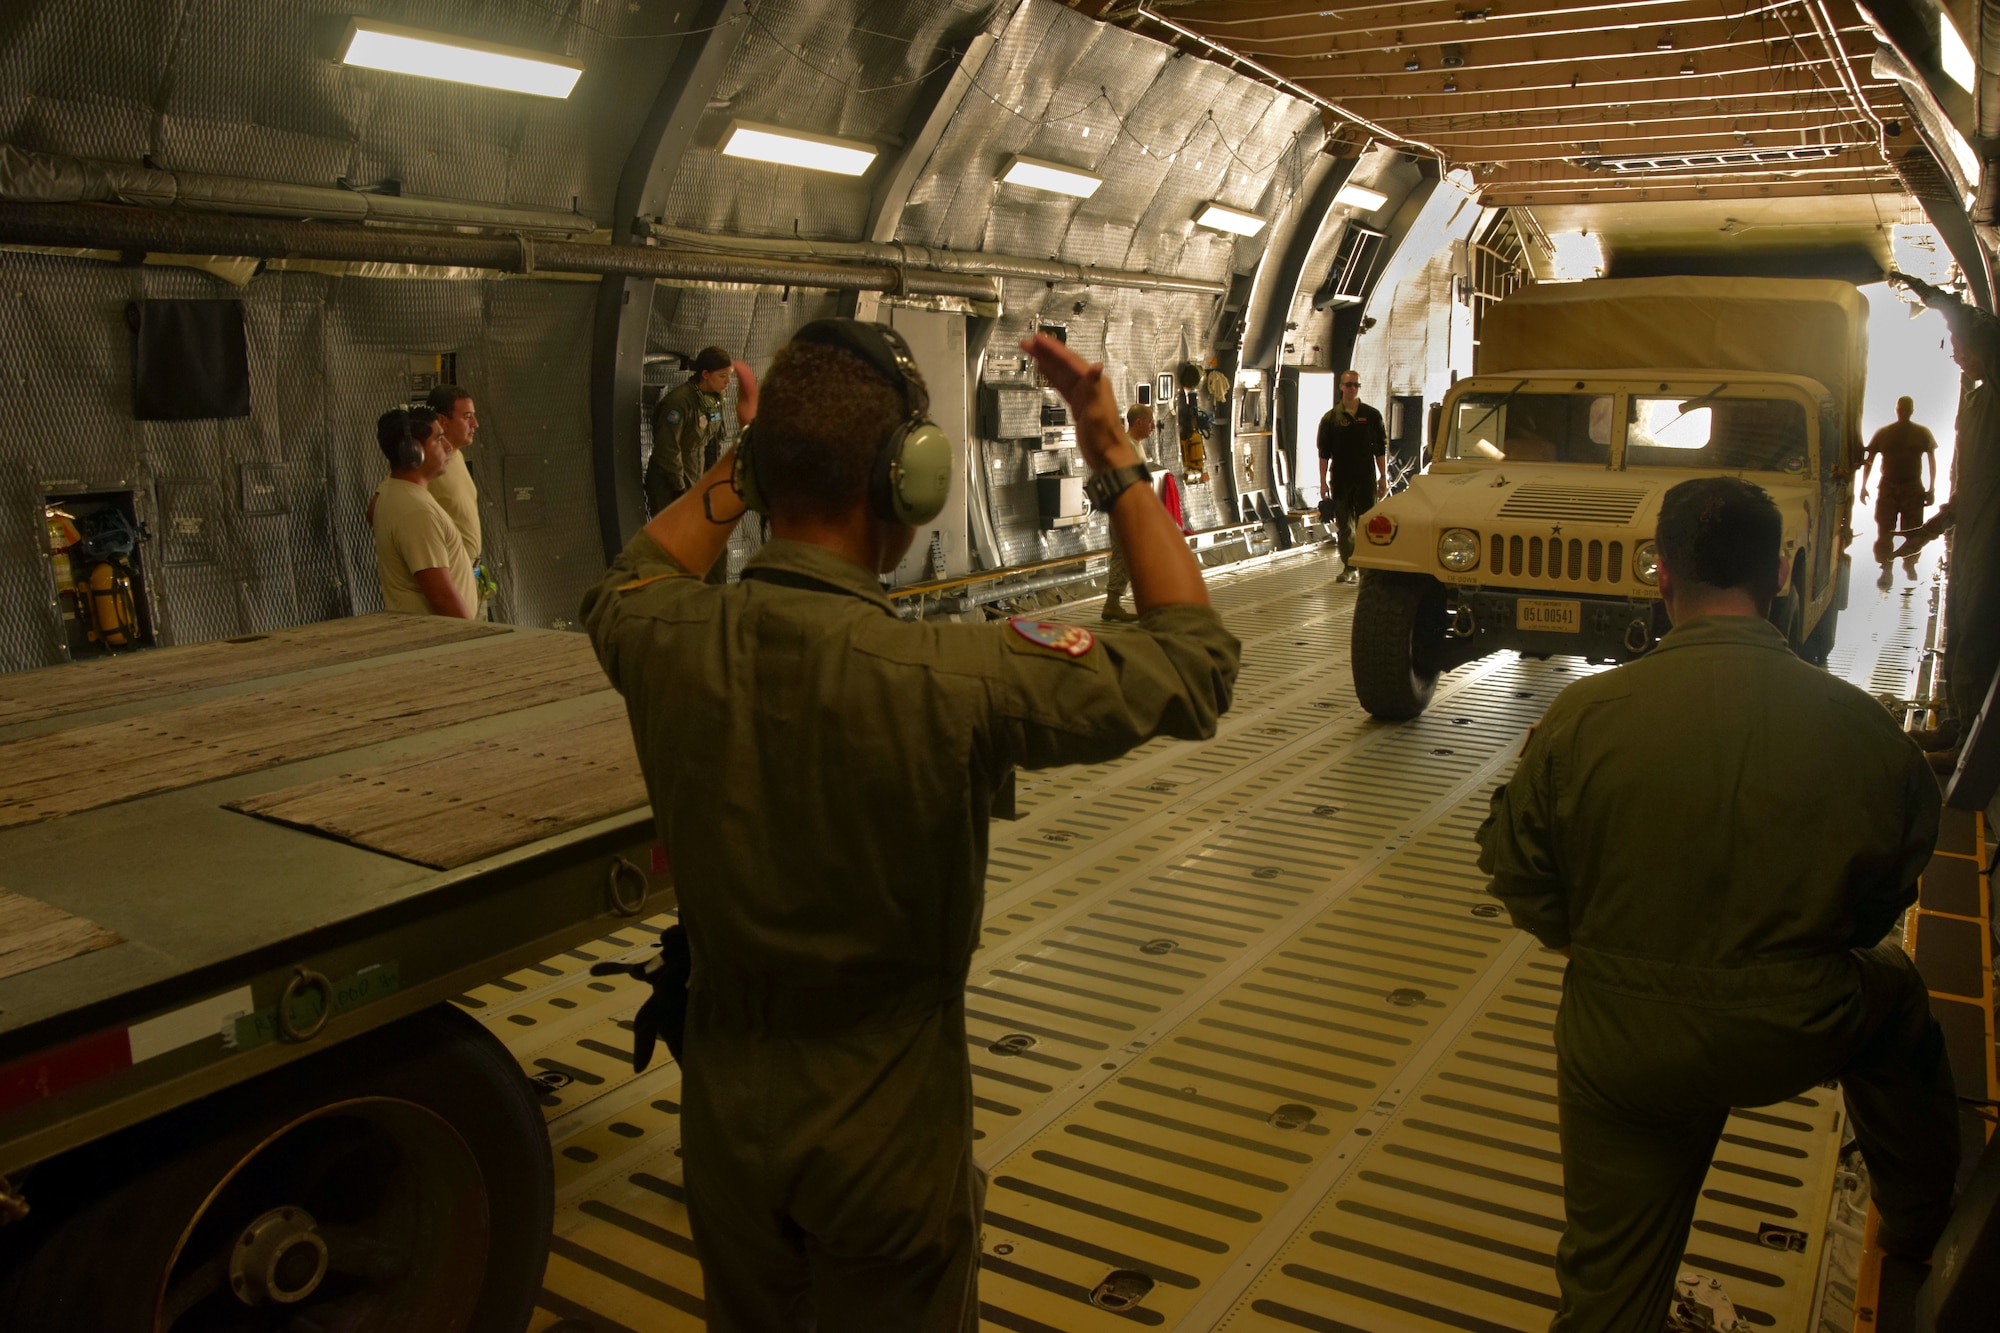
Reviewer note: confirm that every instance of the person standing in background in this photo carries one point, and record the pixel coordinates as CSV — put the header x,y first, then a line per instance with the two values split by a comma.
x,y
1353,464
454,490
687,437
419,554
1139,426
1908,452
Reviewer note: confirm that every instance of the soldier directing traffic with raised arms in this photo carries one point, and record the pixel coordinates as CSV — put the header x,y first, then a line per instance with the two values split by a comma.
x,y
1720,836
821,772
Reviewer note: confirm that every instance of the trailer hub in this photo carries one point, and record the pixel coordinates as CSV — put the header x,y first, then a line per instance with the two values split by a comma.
x,y
279,1258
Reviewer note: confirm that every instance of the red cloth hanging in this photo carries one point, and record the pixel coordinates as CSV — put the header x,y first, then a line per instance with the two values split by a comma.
x,y
1170,497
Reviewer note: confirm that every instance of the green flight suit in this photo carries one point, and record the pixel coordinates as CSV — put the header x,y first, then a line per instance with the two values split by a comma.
x,y
687,435
1721,835
822,773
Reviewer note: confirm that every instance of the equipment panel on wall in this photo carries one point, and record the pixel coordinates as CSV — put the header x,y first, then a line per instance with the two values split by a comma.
x,y
1061,501
1010,412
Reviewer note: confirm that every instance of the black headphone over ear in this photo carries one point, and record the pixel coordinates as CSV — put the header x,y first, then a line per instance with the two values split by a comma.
x,y
409,454
912,474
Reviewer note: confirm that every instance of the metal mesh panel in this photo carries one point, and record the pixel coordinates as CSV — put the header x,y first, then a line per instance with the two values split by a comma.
x,y
845,68
251,88
1167,133
326,356
534,400
1137,335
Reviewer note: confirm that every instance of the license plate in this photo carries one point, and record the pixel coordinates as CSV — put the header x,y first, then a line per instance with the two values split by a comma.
x,y
1549,617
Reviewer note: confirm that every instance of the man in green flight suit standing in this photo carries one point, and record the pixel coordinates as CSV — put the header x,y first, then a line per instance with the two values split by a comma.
x,y
1719,836
687,436
821,773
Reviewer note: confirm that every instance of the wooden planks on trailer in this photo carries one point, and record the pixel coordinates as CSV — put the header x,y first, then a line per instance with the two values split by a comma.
x,y
98,764
447,810
34,934
79,686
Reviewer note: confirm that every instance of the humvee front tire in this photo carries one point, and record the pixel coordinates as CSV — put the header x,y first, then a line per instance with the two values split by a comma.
x,y
1397,648
1818,645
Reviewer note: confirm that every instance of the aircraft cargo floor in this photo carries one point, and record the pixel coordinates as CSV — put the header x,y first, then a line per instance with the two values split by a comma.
x,y
1251,1047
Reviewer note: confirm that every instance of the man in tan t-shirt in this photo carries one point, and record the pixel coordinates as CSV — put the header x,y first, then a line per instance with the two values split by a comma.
x,y
419,554
454,489
1907,451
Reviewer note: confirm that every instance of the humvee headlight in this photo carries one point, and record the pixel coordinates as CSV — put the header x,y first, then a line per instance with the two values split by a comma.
x,y
1646,563
1458,549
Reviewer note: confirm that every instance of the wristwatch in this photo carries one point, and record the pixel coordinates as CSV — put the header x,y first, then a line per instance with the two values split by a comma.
x,y
1104,488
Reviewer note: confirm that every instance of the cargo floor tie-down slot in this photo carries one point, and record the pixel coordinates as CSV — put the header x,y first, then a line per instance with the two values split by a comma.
x,y
1251,1047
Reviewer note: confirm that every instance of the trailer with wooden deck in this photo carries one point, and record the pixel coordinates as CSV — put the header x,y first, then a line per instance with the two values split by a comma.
x,y
239,884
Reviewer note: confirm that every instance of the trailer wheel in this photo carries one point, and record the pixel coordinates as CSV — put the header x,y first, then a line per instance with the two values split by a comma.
x,y
1397,648
398,1183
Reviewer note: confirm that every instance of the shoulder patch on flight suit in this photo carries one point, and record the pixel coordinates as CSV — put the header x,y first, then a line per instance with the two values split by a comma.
x,y
1069,640
673,414
651,578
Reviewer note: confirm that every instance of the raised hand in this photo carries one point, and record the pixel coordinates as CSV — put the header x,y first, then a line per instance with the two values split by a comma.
x,y
746,393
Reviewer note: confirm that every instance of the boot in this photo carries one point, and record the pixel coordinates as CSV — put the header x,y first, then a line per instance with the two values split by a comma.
x,y
1114,609
1888,578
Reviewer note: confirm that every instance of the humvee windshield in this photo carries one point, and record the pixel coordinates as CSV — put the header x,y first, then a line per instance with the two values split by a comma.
x,y
1727,434
1532,428
1708,431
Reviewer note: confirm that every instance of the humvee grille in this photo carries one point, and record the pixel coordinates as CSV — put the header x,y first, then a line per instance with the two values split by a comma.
x,y
1574,561
1573,504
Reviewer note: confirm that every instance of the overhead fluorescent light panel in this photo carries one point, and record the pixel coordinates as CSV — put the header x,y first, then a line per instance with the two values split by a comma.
x,y
796,148
1221,217
1954,55
1361,197
1037,174
372,44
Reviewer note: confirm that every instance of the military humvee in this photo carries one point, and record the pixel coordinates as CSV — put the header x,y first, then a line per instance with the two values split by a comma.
x,y
1532,528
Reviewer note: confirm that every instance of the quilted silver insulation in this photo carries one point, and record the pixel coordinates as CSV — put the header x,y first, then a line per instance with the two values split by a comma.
x,y
326,356
249,88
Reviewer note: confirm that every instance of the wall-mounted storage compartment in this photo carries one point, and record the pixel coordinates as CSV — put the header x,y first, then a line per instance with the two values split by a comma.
x,y
1010,412
1061,502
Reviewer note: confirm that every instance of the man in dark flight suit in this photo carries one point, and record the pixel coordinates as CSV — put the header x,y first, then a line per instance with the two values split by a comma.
x,y
821,772
1353,464
687,435
1720,836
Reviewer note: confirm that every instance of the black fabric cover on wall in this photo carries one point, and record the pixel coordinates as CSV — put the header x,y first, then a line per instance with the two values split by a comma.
x,y
189,360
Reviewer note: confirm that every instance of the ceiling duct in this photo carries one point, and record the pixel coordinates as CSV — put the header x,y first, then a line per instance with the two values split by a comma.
x,y
111,227
47,178
940,260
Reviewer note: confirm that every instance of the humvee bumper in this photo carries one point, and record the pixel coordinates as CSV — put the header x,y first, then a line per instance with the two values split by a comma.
x,y
1605,629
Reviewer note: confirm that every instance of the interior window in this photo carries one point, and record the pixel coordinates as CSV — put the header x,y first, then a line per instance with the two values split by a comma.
x,y
1531,428
1728,434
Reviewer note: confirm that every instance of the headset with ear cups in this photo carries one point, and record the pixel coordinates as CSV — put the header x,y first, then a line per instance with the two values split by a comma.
x,y
911,477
